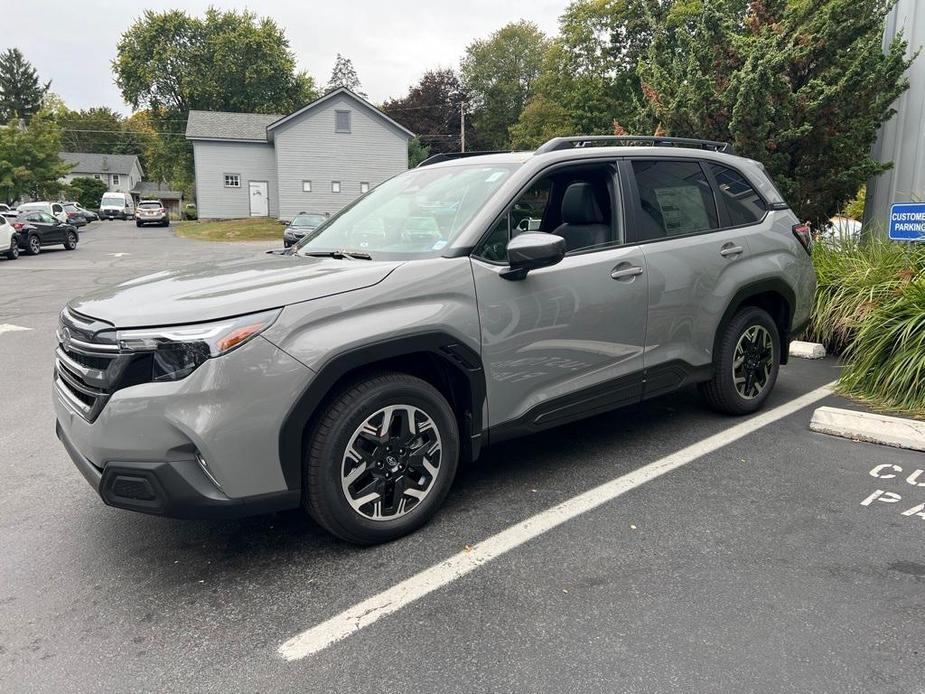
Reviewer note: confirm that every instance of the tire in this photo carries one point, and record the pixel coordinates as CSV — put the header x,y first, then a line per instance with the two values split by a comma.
x,y
327,464
138,224
13,253
33,245
753,337
70,241
166,223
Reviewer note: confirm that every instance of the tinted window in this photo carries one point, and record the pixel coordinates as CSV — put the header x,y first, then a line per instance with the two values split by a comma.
x,y
675,199
743,203
150,205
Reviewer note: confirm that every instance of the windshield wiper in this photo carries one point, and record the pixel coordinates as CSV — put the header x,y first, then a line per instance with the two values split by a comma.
x,y
339,254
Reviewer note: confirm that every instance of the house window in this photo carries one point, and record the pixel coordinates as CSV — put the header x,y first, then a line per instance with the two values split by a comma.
x,y
115,179
232,180
306,186
342,121
335,186
364,187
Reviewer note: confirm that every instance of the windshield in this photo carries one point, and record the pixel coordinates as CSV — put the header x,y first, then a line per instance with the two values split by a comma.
x,y
412,215
307,220
113,200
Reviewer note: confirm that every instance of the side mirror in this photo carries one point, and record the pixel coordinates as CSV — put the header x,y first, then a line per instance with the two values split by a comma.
x,y
530,251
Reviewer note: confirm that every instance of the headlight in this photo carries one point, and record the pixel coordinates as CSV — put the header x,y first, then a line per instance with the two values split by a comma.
x,y
177,351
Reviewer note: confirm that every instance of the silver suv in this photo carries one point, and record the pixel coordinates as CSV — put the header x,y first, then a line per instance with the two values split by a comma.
x,y
461,303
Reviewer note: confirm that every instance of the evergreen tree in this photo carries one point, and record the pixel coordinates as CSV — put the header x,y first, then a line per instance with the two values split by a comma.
x,y
21,93
344,75
800,86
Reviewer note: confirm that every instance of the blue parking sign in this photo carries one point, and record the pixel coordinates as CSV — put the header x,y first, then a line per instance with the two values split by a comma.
x,y
907,221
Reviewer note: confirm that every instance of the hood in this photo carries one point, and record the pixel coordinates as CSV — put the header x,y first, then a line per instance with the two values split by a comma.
x,y
209,291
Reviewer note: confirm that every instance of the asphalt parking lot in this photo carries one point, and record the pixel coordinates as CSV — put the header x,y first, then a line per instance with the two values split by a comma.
x,y
755,567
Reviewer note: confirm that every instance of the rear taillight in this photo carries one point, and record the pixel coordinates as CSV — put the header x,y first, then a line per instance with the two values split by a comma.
x,y
162,211
71,214
804,235
17,226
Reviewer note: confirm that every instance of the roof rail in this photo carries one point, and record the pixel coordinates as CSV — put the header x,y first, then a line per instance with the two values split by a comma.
x,y
449,156
558,143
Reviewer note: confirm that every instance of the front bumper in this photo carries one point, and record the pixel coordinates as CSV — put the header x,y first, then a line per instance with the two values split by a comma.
x,y
143,451
112,214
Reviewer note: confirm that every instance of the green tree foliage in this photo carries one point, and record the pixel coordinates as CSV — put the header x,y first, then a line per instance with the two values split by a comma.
x,y
94,130
29,162
21,93
344,75
88,191
541,120
431,110
498,73
417,152
800,85
169,63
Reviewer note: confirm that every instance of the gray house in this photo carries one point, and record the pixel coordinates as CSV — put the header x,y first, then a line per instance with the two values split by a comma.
x,y
120,172
317,159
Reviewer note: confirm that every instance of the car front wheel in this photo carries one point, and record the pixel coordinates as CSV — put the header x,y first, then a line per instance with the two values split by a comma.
x,y
381,459
746,363
33,245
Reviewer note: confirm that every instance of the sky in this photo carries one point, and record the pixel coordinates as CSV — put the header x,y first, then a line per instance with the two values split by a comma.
x,y
391,42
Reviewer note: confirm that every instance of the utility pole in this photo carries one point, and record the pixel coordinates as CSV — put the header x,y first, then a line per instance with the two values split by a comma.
x,y
462,126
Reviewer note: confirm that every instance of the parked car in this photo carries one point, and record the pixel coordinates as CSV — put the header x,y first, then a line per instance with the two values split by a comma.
x,y
74,215
151,212
37,229
55,209
8,213
89,215
300,225
9,239
353,375
117,206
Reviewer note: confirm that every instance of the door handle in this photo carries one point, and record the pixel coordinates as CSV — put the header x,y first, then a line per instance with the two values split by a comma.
x,y
730,250
625,271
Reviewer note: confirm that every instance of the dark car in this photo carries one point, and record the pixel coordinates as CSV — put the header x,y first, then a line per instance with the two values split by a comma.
x,y
37,229
74,214
303,223
151,212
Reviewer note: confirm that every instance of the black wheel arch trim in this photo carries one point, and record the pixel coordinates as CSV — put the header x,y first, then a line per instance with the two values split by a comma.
x,y
448,349
771,285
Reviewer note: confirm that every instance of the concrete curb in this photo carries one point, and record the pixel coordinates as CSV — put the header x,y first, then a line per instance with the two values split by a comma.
x,y
807,350
872,428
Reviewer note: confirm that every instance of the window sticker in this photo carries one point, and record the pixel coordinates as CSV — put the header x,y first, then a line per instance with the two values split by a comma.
x,y
682,209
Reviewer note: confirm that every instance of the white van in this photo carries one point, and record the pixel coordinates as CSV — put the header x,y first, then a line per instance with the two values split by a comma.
x,y
55,209
117,206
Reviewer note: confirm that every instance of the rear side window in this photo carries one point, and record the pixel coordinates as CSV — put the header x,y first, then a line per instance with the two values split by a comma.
x,y
743,204
675,199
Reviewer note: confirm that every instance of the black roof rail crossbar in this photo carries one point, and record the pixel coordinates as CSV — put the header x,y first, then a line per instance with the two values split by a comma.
x,y
449,156
558,143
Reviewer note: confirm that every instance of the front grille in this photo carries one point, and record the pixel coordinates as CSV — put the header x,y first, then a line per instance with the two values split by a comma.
x,y
88,364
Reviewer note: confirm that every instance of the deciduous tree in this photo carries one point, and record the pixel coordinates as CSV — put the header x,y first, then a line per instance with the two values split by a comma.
x,y
431,110
29,161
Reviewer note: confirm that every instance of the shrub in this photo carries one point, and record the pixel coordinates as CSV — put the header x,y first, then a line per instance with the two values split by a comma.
x,y
870,306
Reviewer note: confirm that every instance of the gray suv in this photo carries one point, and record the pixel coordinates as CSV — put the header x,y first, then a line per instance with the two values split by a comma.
x,y
461,303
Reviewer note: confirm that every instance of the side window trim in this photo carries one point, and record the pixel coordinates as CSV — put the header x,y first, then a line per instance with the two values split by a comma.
x,y
615,218
726,218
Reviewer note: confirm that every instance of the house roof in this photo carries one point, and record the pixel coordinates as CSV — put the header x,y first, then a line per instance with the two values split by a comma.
x,y
91,162
258,127
340,91
156,190
224,125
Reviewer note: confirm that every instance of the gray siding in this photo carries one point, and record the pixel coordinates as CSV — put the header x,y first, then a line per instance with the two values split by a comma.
x,y
308,148
252,161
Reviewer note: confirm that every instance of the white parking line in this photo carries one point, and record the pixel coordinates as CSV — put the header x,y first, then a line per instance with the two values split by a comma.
x,y
398,596
10,328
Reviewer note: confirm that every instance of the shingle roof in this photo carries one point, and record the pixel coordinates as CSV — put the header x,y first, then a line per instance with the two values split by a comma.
x,y
89,162
222,125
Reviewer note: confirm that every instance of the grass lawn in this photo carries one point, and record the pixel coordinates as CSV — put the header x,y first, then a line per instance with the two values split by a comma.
x,y
250,229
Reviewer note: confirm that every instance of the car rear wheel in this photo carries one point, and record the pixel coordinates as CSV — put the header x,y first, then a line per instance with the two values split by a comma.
x,y
746,363
33,245
70,241
13,253
381,459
